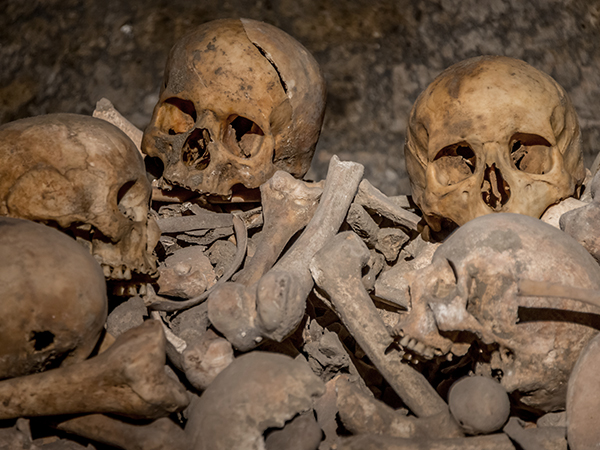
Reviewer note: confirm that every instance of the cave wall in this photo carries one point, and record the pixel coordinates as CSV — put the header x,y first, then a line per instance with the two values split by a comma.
x,y
377,56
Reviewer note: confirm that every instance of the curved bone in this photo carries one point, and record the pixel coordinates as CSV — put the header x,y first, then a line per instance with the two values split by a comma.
x,y
106,111
531,288
336,268
274,306
127,379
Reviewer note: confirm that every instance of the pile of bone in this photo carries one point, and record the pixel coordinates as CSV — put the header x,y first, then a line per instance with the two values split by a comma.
x,y
185,288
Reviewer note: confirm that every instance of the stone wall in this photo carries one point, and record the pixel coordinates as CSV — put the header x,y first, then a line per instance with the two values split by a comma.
x,y
377,56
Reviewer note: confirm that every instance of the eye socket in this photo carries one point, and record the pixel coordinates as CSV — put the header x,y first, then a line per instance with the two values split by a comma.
x,y
243,137
455,163
176,116
128,200
531,153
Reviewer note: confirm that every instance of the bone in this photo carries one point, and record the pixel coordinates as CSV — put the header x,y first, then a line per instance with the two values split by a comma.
x,y
532,288
479,404
274,306
206,221
187,273
127,379
582,224
161,434
372,198
383,442
288,205
363,414
545,438
155,302
583,399
106,111
336,269
259,390
553,214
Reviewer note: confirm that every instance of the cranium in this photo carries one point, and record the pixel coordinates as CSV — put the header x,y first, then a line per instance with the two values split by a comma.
x,y
240,100
52,299
84,176
469,295
492,134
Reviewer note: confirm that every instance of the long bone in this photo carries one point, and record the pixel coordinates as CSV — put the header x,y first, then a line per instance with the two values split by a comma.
x,y
127,379
273,307
336,269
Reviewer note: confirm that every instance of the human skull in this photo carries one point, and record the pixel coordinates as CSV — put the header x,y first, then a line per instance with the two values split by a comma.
x,y
52,299
84,176
468,295
240,100
492,134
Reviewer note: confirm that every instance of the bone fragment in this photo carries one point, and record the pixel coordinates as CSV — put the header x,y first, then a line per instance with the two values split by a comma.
x,y
362,224
301,433
106,111
553,214
259,390
288,205
186,273
362,414
155,302
161,434
207,221
127,379
545,438
372,198
336,268
582,224
274,306
383,442
531,288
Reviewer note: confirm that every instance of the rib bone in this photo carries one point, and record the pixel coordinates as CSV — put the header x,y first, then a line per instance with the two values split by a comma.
x,y
127,379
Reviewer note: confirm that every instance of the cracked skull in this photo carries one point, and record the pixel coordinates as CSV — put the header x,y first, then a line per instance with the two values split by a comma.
x,y
492,134
85,177
240,100
467,299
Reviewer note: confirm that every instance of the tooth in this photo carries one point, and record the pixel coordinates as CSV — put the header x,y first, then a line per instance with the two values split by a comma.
x,y
404,341
143,290
117,273
412,343
131,291
119,290
419,347
106,270
127,273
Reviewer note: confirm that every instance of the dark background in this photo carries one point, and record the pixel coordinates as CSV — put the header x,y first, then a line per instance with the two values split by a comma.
x,y
377,56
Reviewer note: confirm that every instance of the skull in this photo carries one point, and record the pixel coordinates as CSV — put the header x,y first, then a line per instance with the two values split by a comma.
x,y
52,299
466,303
492,134
240,100
84,176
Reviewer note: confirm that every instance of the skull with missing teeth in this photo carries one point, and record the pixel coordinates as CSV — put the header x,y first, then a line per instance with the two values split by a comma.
x,y
492,134
85,177
240,100
466,303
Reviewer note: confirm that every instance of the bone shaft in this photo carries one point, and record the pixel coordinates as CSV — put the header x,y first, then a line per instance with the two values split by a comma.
x,y
162,434
337,269
372,198
382,442
530,288
196,222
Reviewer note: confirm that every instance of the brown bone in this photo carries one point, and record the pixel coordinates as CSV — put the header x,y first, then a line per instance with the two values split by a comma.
x,y
127,379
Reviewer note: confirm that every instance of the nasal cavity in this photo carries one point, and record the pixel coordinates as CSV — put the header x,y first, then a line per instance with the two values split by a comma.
x,y
495,191
195,151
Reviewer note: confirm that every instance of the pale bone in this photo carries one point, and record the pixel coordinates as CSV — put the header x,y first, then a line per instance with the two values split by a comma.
x,y
553,214
128,379
53,299
155,302
583,395
375,200
383,442
362,414
537,438
257,391
288,205
492,134
106,111
85,176
525,342
161,434
274,306
336,269
252,104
